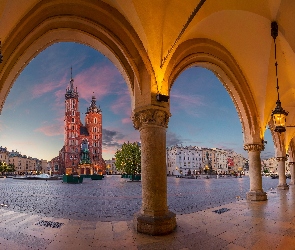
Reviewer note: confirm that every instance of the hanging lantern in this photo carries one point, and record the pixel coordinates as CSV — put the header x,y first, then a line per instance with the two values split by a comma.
x,y
278,114
279,118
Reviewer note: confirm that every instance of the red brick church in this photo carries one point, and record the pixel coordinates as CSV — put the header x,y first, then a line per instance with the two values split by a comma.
x,y
82,150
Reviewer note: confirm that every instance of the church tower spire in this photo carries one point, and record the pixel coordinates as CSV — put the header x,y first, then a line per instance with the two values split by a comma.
x,y
71,92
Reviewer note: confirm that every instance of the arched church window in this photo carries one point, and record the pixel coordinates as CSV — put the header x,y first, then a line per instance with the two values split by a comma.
x,y
95,120
73,119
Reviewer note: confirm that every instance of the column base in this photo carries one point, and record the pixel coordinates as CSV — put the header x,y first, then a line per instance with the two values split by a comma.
x,y
155,225
256,196
283,187
292,183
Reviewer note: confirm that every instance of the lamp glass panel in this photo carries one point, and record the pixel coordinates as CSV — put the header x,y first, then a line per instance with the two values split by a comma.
x,y
279,120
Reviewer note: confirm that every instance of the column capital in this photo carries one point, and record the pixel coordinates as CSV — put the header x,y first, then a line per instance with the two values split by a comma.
x,y
254,147
150,116
282,158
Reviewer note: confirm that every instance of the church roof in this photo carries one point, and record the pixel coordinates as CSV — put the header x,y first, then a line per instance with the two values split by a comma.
x,y
93,108
84,131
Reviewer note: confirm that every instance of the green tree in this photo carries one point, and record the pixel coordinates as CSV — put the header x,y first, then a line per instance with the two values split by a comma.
x,y
6,168
128,159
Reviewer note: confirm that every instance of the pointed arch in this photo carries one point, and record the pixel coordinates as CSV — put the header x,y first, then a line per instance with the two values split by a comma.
x,y
291,150
213,56
90,22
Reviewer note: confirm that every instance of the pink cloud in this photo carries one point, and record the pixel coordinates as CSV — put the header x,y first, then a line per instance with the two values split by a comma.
x,y
102,80
47,86
51,129
187,99
186,103
126,120
122,105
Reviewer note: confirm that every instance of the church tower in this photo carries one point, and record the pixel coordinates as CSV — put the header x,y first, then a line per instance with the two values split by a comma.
x,y
93,123
72,127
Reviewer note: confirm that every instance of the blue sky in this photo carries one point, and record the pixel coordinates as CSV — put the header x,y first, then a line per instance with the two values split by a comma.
x,y
32,118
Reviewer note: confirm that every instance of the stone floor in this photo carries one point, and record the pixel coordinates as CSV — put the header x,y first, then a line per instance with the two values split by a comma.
x,y
242,225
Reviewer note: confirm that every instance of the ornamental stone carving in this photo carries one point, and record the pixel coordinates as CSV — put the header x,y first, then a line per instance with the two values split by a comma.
x,y
254,147
291,163
282,158
150,117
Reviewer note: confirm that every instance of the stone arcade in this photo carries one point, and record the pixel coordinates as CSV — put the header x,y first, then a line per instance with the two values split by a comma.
x,y
151,43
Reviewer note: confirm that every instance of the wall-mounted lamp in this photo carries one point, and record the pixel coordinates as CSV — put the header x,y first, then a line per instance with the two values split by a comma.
x,y
162,98
278,114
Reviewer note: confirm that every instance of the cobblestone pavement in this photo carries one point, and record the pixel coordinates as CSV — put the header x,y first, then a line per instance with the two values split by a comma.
x,y
115,199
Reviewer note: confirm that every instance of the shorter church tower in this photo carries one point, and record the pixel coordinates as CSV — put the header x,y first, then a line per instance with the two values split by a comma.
x,y
93,123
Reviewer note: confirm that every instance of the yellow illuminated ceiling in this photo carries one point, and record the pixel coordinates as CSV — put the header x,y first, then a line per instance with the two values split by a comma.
x,y
242,27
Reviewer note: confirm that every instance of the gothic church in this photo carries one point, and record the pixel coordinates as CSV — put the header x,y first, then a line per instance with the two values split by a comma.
x,y
82,150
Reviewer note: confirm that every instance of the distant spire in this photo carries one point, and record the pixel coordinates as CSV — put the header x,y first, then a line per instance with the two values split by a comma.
x,y
72,80
71,92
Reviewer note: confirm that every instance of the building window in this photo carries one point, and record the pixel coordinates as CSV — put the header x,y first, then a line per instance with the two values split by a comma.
x,y
73,119
95,120
73,113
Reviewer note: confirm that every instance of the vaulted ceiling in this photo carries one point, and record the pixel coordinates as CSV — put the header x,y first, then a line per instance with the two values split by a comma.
x,y
242,27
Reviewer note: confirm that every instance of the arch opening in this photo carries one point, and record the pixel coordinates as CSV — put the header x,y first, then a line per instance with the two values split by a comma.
x,y
47,23
37,100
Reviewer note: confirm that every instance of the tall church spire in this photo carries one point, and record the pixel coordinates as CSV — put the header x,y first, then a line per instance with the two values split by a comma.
x,y
71,92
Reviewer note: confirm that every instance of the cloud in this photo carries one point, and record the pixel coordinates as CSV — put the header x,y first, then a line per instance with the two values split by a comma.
x,y
47,86
186,103
97,80
122,104
126,120
111,138
172,139
51,129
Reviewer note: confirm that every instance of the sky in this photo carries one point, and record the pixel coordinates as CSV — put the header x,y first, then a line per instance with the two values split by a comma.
x,y
31,121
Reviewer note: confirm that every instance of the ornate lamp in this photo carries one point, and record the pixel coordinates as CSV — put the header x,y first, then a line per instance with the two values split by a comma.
x,y
278,114
1,57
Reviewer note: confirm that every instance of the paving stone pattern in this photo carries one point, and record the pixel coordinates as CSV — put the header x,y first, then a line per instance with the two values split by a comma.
x,y
115,199
87,220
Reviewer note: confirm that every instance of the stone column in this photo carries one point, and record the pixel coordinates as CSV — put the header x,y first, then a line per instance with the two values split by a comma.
x,y
154,217
91,170
292,172
282,173
256,192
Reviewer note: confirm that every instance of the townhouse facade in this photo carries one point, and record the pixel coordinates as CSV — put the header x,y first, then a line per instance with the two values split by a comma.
x,y
186,160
